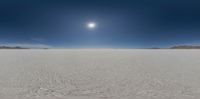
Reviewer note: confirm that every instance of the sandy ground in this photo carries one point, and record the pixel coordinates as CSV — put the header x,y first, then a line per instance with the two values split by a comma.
x,y
99,74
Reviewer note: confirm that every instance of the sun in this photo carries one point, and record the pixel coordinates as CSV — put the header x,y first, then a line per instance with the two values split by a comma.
x,y
91,25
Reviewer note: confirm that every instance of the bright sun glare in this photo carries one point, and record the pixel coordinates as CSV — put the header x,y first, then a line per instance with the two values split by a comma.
x,y
91,25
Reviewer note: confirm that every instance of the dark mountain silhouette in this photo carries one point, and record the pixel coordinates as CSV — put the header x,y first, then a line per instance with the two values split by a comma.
x,y
15,47
185,47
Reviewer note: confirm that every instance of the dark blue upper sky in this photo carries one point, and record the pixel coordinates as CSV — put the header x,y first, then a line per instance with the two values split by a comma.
x,y
120,23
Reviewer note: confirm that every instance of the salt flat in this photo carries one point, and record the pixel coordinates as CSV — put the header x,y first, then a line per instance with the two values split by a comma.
x,y
99,74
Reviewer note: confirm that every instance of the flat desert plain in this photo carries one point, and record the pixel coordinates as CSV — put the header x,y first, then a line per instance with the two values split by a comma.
x,y
100,74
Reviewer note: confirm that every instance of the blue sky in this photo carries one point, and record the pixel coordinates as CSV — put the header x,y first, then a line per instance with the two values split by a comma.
x,y
120,23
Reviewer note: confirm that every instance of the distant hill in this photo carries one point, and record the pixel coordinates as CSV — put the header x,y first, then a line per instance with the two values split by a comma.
x,y
154,48
9,47
185,47
18,47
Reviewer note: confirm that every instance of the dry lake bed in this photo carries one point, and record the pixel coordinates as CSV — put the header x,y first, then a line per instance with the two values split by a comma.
x,y
99,74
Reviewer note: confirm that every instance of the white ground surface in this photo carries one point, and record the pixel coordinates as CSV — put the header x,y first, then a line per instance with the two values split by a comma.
x,y
99,74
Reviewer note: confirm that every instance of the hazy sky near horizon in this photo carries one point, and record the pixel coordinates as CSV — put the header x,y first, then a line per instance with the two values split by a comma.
x,y
119,23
